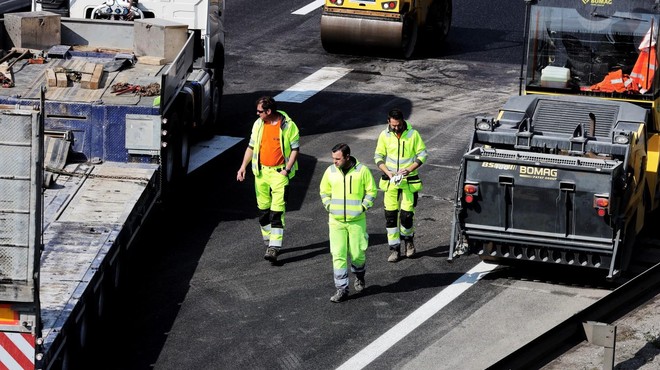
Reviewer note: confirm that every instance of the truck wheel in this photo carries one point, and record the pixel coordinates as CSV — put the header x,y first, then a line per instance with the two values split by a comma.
x,y
167,163
211,127
184,154
408,36
438,21
218,84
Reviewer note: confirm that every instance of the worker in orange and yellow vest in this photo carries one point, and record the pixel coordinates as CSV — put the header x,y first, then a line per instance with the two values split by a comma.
x,y
273,149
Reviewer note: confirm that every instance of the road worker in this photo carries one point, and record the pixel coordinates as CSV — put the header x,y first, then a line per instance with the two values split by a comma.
x,y
273,149
399,153
347,190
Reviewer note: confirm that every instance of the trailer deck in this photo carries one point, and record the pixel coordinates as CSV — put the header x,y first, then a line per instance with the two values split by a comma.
x,y
91,215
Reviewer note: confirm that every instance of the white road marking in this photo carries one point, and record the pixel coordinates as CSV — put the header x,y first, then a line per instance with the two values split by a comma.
x,y
312,84
309,7
418,317
204,151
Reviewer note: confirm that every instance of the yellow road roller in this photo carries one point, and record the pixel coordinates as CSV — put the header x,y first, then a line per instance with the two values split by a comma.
x,y
383,24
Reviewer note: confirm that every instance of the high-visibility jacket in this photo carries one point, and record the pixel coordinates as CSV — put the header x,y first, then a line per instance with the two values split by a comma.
x,y
615,81
347,196
644,69
289,140
400,152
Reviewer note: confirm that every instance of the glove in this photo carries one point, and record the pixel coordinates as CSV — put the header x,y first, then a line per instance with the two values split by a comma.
x,y
396,179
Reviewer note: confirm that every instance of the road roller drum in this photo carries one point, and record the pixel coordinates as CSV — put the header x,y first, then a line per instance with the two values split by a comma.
x,y
392,26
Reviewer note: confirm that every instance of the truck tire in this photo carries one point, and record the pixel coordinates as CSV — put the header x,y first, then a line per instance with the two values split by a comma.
x,y
218,84
184,152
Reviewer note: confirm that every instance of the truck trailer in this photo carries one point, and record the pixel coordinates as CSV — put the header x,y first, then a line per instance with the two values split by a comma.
x,y
97,124
566,173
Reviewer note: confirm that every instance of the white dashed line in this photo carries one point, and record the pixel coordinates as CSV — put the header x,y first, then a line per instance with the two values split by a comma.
x,y
314,83
309,7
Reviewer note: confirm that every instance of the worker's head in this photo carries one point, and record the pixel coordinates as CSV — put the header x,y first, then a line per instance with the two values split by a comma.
x,y
341,155
266,106
395,120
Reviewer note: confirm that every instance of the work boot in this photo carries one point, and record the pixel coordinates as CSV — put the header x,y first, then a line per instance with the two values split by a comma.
x,y
394,256
359,282
340,296
271,254
410,248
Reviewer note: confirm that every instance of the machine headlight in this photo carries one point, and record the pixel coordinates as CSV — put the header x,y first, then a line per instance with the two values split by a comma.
x,y
483,124
620,137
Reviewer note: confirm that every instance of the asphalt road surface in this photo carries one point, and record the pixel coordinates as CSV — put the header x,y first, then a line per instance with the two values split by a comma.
x,y
198,293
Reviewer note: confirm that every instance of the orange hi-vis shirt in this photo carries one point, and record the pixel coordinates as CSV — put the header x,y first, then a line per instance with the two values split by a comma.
x,y
271,148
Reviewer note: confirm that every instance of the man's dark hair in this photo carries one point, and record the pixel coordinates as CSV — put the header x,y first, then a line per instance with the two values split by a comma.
x,y
396,114
267,103
345,150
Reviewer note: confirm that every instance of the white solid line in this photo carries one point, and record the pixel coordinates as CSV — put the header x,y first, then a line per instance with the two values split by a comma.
x,y
415,319
312,84
309,7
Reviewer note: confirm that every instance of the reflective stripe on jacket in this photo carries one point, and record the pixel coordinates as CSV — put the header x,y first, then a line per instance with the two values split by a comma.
x,y
289,140
615,81
347,196
399,153
644,69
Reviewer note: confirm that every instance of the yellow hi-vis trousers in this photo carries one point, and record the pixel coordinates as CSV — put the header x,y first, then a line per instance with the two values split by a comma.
x,y
347,240
399,212
271,191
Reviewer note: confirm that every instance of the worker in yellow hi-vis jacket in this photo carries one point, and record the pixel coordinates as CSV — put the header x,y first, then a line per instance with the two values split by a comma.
x,y
273,150
348,189
399,153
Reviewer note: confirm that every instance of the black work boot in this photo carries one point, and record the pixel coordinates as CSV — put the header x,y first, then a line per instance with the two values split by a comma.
x,y
410,247
271,254
360,284
394,255
340,296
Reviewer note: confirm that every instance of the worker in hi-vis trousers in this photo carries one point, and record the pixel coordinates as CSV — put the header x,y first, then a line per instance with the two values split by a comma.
x,y
273,149
347,190
399,153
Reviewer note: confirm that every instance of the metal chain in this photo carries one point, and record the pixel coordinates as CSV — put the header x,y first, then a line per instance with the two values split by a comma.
x,y
96,176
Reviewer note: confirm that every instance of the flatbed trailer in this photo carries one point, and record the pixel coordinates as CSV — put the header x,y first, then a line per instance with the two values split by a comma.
x,y
80,170
90,222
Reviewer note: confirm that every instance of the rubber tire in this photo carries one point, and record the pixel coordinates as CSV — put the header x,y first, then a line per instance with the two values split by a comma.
x,y
438,21
217,85
409,32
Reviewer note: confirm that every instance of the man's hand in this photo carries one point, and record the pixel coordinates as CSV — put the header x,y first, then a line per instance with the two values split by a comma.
x,y
240,175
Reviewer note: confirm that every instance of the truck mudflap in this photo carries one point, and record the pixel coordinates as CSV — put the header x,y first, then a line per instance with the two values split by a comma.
x,y
549,208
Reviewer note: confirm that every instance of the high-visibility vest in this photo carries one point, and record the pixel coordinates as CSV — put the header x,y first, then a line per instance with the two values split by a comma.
x,y
400,152
289,139
347,195
615,81
644,69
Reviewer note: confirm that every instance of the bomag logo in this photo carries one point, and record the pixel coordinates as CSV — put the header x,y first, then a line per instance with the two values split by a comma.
x,y
597,2
538,173
499,166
